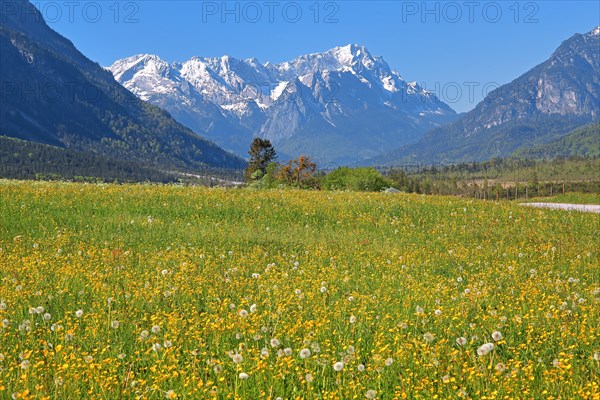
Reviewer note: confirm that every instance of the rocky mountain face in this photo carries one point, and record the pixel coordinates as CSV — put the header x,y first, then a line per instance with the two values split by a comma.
x,y
53,94
540,106
340,106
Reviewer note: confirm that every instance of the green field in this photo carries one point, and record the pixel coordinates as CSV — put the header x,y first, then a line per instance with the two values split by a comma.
x,y
572,198
148,291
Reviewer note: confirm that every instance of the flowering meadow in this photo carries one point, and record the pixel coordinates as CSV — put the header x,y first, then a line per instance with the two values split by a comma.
x,y
154,292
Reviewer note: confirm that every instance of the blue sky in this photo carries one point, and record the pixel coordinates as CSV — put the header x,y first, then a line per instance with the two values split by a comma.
x,y
458,49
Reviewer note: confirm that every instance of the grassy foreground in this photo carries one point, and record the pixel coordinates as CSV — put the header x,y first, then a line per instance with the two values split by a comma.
x,y
178,292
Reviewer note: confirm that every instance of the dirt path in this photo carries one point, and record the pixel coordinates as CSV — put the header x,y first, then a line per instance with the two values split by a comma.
x,y
569,207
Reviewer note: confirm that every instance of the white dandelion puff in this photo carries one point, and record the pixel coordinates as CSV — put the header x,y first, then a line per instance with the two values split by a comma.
x,y
338,366
461,341
305,353
485,349
237,358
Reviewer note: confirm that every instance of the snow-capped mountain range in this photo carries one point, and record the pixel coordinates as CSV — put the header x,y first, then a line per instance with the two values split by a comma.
x,y
340,106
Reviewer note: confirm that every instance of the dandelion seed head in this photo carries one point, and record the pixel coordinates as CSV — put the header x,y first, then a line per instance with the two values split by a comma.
x,y
485,349
305,353
338,366
237,358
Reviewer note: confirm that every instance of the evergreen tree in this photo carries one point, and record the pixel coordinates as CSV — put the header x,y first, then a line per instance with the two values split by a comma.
x,y
261,154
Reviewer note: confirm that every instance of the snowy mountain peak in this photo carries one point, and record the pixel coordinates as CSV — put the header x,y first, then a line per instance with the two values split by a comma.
x,y
232,100
350,52
595,31
131,65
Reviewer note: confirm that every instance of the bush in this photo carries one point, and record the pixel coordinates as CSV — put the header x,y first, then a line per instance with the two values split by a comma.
x,y
356,179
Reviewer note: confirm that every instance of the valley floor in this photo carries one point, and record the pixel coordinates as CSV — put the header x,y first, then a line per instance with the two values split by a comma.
x,y
149,291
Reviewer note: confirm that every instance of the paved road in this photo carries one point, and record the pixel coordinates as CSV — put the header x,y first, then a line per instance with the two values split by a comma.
x,y
569,207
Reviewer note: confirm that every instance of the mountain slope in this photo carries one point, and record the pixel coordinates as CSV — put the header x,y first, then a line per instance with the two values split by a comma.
x,y
543,104
582,142
339,106
53,94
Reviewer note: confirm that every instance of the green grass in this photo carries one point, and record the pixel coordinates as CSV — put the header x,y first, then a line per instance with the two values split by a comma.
x,y
345,275
571,198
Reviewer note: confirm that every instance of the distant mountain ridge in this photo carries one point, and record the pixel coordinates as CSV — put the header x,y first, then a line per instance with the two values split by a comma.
x,y
53,94
542,105
341,105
